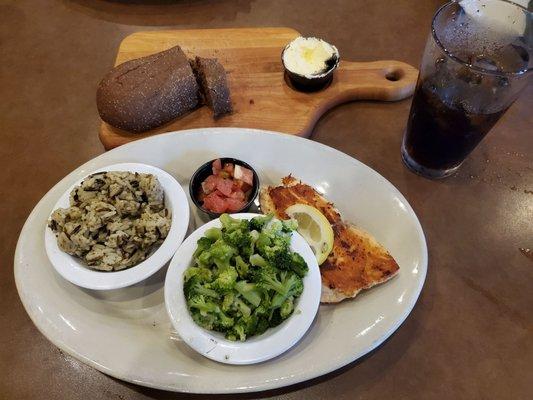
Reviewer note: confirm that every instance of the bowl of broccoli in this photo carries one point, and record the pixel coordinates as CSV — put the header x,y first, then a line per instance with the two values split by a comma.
x,y
242,289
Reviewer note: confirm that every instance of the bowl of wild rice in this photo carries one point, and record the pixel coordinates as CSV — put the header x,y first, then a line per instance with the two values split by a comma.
x,y
117,226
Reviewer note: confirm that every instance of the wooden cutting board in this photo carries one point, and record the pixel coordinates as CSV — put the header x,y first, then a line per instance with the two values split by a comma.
x,y
261,98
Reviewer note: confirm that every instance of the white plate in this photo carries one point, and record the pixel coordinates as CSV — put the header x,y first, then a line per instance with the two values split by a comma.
x,y
126,333
75,271
213,345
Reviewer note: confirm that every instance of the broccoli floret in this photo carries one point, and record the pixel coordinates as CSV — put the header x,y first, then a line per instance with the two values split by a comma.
x,y
227,302
298,265
277,251
237,333
205,308
254,235
203,274
289,285
278,256
199,303
263,309
273,227
220,254
268,281
204,259
223,322
197,285
287,307
275,318
213,234
257,261
225,280
249,291
289,225
241,266
193,288
262,241
206,321
240,240
230,224
262,325
203,244
242,307
245,326
257,223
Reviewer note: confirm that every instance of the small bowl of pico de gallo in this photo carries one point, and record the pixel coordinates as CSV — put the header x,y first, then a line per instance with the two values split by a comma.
x,y
224,185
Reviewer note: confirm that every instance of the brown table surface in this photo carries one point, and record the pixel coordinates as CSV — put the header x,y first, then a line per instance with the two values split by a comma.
x,y
471,332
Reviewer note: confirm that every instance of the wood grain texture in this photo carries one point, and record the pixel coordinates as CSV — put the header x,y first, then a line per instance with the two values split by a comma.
x,y
261,98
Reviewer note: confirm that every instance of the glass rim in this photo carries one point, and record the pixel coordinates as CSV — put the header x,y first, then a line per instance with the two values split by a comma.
x,y
465,63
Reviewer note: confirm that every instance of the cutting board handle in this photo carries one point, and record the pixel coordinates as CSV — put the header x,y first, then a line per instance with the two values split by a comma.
x,y
376,80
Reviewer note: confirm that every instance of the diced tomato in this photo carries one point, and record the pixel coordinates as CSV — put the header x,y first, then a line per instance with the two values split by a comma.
x,y
209,184
237,194
248,176
240,185
227,189
237,184
213,202
225,186
228,167
217,166
244,174
234,204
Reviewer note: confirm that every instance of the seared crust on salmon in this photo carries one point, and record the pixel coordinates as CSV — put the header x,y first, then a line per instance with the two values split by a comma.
x,y
275,200
357,260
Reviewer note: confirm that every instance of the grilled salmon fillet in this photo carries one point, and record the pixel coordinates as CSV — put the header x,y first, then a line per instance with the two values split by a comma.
x,y
357,260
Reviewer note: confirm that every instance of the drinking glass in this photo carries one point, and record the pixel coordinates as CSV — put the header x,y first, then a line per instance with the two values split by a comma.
x,y
477,60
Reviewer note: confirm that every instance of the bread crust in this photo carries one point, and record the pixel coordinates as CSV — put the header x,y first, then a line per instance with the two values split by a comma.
x,y
147,92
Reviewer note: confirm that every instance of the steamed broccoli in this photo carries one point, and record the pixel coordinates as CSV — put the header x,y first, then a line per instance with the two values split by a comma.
x,y
257,223
203,243
220,254
242,307
298,265
241,240
226,280
245,277
289,225
205,308
290,285
227,302
230,224
249,291
194,287
242,267
286,307
257,261
213,234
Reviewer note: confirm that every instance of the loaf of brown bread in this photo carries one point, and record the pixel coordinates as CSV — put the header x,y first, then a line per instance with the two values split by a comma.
x,y
213,85
147,92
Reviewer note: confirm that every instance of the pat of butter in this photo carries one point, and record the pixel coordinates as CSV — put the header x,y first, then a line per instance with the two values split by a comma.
x,y
308,56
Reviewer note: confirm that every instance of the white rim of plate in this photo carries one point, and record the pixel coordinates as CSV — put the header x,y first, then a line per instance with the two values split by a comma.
x,y
328,368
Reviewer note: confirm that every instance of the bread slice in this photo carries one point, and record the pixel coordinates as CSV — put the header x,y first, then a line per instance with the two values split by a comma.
x,y
147,92
212,79
357,260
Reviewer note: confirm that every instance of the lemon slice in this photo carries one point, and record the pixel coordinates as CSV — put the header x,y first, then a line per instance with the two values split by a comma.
x,y
315,228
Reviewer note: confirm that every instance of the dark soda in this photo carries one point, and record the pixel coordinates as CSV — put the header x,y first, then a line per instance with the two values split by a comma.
x,y
441,134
